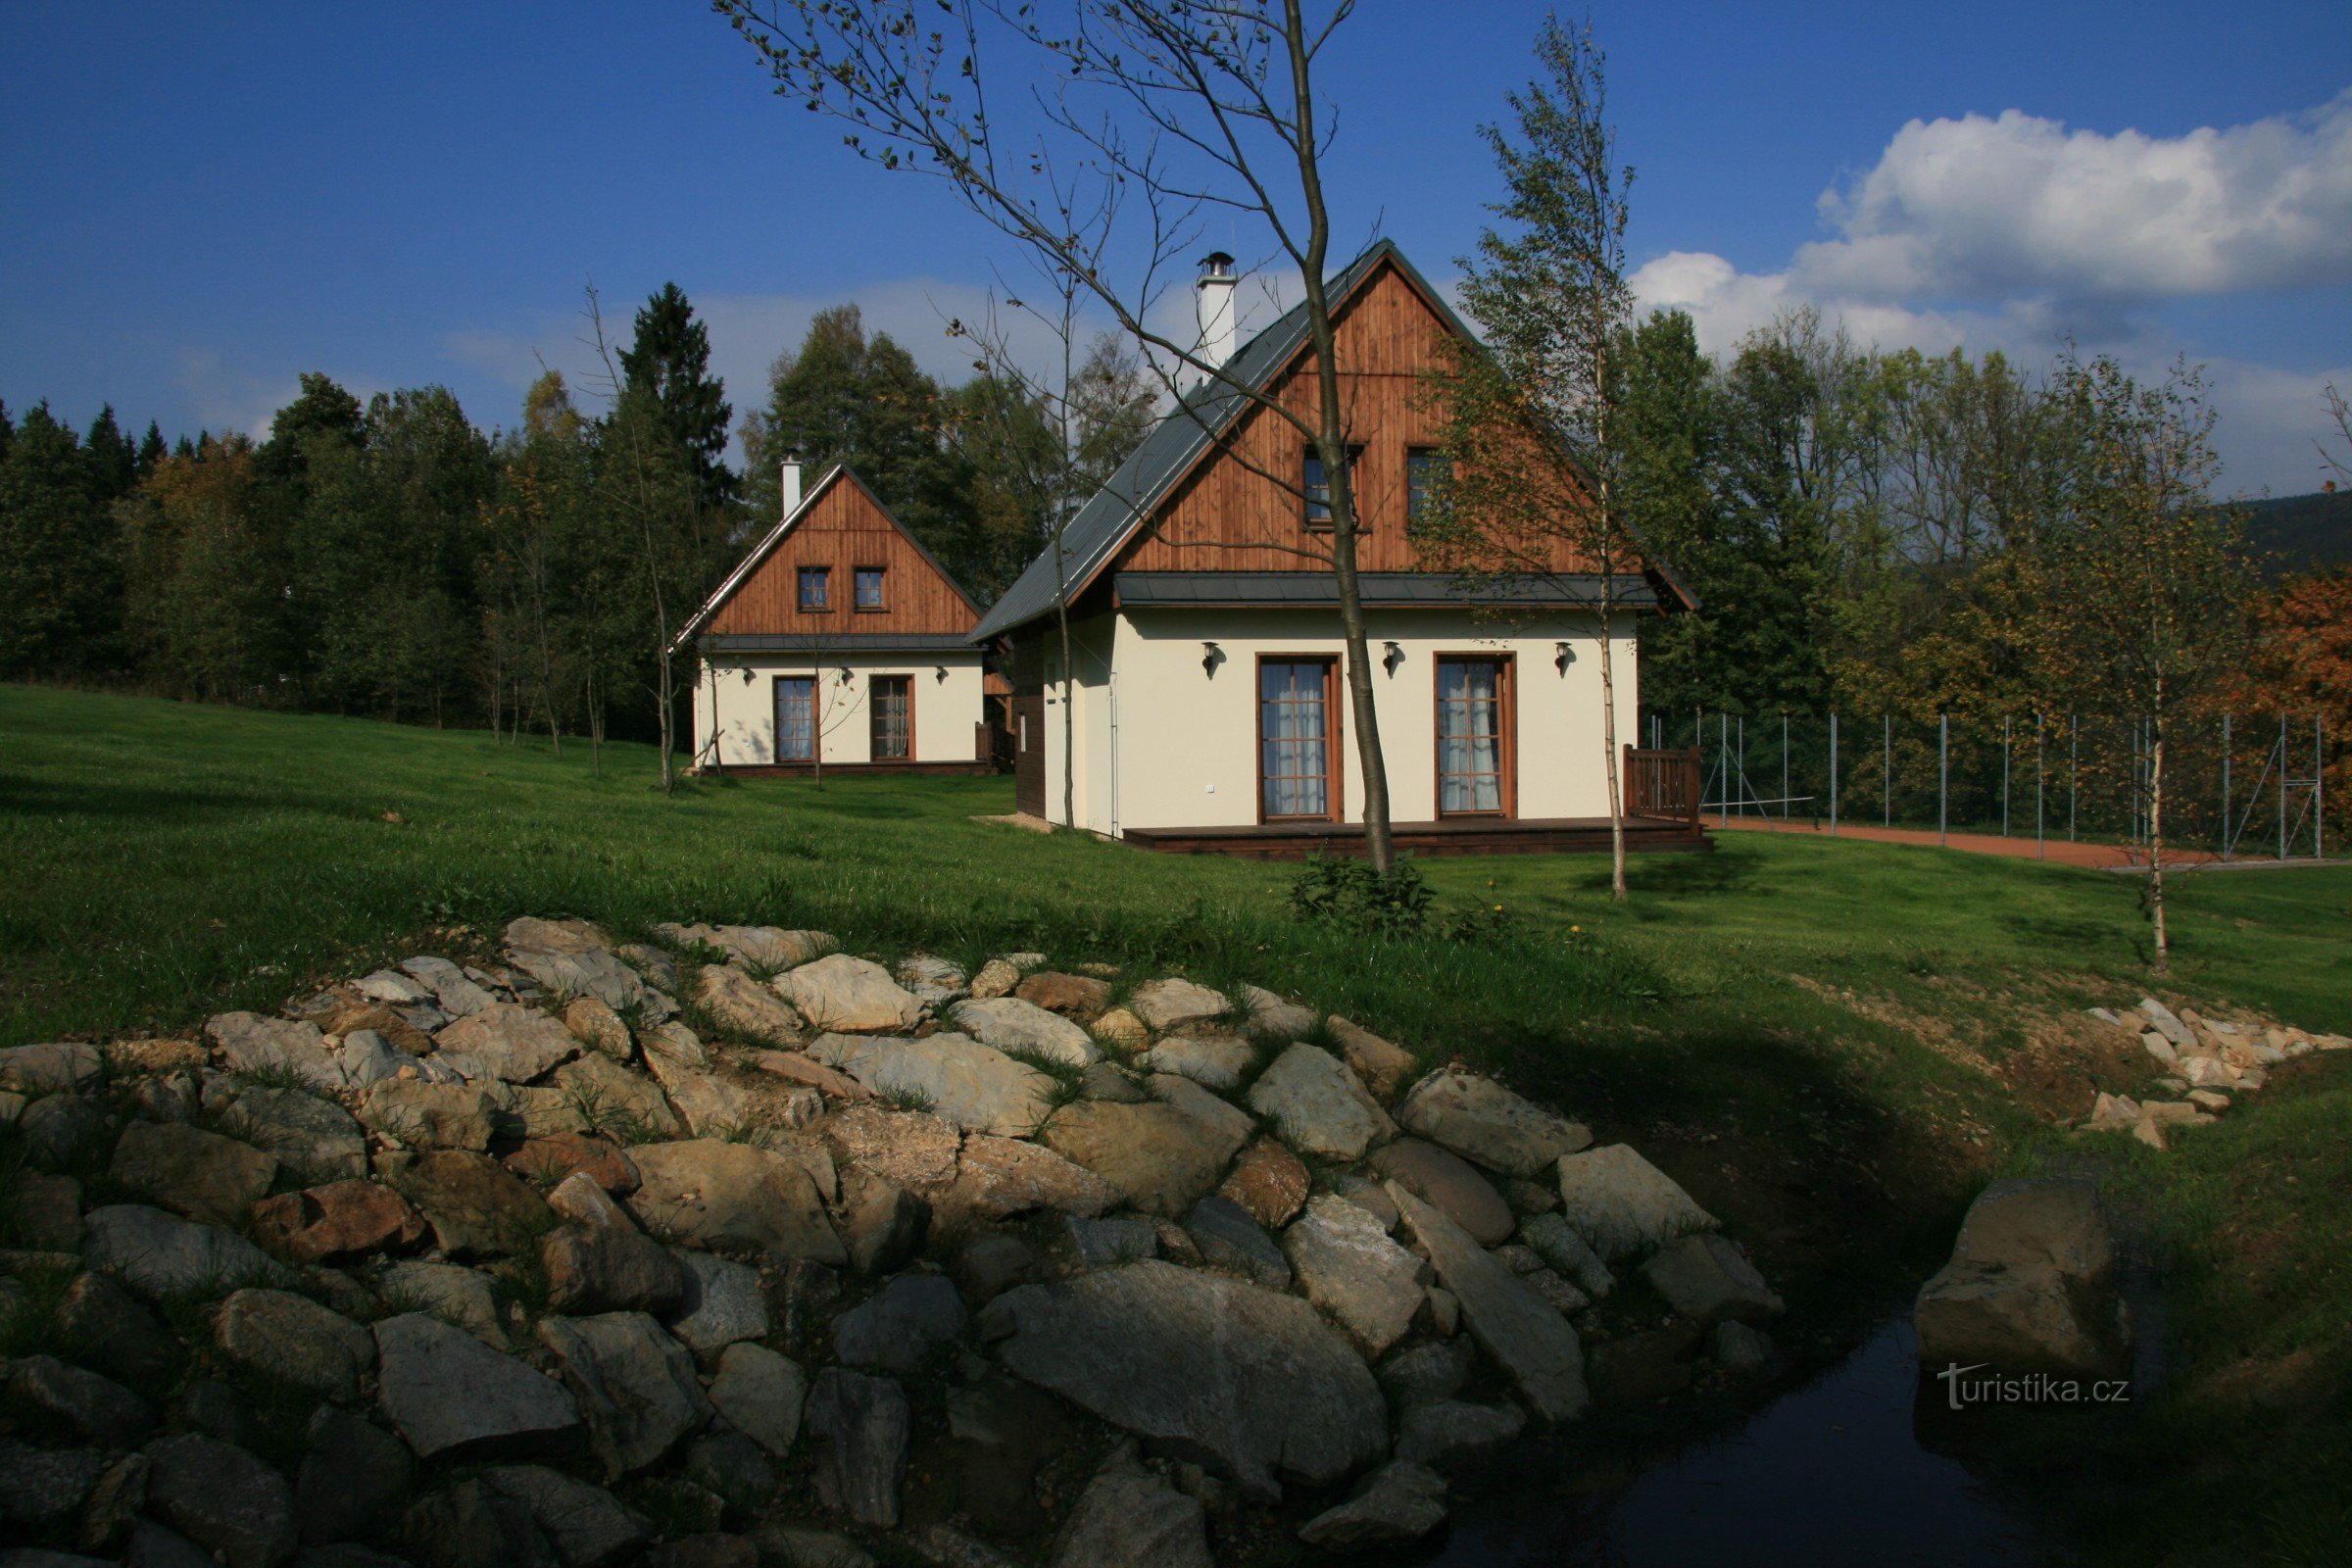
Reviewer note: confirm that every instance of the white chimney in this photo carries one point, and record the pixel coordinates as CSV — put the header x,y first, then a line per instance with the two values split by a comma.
x,y
1213,299
792,483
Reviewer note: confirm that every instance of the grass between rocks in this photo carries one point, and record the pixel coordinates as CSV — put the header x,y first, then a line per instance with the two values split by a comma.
x,y
1830,1044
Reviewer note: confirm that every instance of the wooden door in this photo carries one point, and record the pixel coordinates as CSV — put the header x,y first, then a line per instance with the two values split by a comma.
x,y
1029,754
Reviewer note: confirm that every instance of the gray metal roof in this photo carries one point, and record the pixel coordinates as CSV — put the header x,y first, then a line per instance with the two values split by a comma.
x,y
1105,522
870,642
1380,589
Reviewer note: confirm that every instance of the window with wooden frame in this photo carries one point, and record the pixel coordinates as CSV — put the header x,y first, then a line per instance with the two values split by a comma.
x,y
868,585
1477,765
1298,736
816,589
890,706
796,718
1317,485
1424,467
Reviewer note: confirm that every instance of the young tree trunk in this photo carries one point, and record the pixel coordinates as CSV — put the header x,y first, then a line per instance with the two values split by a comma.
x,y
1609,743
2164,945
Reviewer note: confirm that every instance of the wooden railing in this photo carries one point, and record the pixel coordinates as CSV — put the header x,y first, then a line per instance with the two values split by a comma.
x,y
1662,783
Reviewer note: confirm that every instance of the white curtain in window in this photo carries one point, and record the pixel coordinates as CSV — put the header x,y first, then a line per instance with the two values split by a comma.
x,y
1290,720
796,727
1469,735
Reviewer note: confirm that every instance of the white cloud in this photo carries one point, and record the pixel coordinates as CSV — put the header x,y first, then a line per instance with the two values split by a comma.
x,y
2014,233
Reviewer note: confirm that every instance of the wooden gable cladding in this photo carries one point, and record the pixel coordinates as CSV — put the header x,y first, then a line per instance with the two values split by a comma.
x,y
843,527
1228,516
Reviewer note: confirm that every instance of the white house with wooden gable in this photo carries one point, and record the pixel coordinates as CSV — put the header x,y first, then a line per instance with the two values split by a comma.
x,y
1208,706
838,639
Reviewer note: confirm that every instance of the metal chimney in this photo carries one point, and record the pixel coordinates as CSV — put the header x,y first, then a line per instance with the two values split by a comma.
x,y
791,485
1213,299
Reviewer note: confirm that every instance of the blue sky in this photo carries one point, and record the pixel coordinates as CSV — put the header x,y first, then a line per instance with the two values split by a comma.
x,y
201,202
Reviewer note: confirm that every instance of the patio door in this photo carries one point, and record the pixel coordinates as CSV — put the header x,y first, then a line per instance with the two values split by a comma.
x,y
892,704
1476,770
1297,740
796,718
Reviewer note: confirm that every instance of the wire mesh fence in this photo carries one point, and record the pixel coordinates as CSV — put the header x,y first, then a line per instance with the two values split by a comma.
x,y
2234,785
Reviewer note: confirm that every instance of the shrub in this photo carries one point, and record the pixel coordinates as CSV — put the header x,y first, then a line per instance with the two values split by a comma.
x,y
1347,893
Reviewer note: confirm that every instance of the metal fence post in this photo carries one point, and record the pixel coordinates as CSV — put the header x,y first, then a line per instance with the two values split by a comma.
x,y
1833,773
2224,786
1943,776
2282,786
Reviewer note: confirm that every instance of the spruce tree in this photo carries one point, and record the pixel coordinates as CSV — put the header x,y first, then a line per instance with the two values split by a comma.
x,y
670,359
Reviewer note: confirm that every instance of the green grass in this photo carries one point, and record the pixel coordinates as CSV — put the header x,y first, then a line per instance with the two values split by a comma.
x,y
165,862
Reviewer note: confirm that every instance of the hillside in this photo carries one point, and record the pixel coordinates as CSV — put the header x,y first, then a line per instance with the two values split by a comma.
x,y
2302,531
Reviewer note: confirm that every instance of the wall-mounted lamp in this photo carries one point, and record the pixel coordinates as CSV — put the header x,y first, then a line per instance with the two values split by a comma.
x,y
1210,656
747,677
940,673
1564,657
844,675
1390,656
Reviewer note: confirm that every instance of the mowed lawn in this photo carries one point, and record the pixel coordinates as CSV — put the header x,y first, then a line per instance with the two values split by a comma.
x,y
1764,1020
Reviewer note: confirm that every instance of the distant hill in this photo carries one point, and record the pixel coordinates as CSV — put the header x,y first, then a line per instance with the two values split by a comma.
x,y
2302,531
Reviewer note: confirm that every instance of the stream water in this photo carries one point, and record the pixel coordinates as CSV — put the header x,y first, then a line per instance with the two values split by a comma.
x,y
1832,1472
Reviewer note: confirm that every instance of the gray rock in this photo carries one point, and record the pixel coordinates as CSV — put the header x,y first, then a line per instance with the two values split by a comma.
x,y
796,1546
870,1426
1709,1281
1156,1156
221,1497
392,988
881,1223
448,1392
1228,1125
116,1335
1164,1005
58,1131
746,1009
1023,1029
605,1268
1518,1328
1231,1239
1625,1206
1556,1242
354,1475
41,1486
991,1264
635,1385
1740,1347
976,1087
762,946
589,972
456,994
998,1178
908,1323
1224,1371
258,1046
1399,1501
94,1408
1428,1373
734,1194
616,1100
2030,1287
1215,1060
114,1503
505,1041
153,1546
839,991
1450,1185
213,1408
1367,1195
1481,1120
1131,1517
430,1116
54,1068
1109,1243
477,1207
1107,1080
315,1137
460,1296
732,1466
211,1179
1276,1019
1347,1266
159,1254
588,1526
295,1340
721,1305
1439,1432
761,1394
2168,1024
473,1525
366,1058
1382,1066
39,1558
1318,1106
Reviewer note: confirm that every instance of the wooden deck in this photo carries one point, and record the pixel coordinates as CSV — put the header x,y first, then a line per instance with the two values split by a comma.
x,y
1295,841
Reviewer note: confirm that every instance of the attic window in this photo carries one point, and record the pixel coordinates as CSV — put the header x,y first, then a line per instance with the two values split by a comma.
x,y
1317,485
870,588
816,589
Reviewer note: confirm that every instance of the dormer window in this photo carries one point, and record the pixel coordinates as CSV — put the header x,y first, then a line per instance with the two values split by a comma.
x,y
1317,485
816,589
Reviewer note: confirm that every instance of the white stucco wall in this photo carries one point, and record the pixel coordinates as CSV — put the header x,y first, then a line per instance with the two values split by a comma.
x,y
1165,744
744,713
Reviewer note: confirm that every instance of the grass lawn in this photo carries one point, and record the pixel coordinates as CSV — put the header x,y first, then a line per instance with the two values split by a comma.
x,y
1829,1043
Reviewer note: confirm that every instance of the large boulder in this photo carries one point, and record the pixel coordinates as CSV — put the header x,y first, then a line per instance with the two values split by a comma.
x,y
222,1499
760,1394
161,1255
734,1194
1318,1106
1024,1029
1129,1516
446,1391
313,1136
722,1305
955,1077
839,991
451,1292
999,1178
2030,1287
1227,1373
1481,1120
609,1268
635,1385
261,1046
1348,1265
211,1179
1518,1329
294,1339
1160,1159
505,1041
477,1207
1623,1204
353,1474
1449,1183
